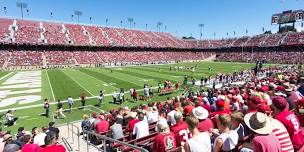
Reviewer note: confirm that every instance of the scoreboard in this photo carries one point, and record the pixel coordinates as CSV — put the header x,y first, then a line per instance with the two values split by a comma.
x,y
287,17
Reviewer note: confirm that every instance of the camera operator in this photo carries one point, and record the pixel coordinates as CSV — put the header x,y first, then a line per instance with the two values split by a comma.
x,y
10,119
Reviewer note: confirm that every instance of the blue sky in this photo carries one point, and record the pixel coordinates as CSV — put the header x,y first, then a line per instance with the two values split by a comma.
x,y
180,16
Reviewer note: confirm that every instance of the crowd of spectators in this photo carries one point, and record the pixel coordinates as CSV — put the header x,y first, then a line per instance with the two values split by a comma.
x,y
25,58
30,32
44,139
264,113
4,26
27,32
283,57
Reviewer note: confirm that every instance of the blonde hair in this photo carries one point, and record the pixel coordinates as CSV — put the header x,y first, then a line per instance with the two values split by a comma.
x,y
237,116
85,116
192,122
163,128
224,120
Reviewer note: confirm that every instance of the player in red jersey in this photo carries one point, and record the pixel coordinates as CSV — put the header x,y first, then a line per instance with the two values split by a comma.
x,y
180,130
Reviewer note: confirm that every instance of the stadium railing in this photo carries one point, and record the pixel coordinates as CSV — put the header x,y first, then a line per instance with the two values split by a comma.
x,y
106,142
73,131
67,144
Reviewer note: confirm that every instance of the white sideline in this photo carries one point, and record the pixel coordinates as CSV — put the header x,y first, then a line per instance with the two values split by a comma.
x,y
64,101
47,75
5,76
78,83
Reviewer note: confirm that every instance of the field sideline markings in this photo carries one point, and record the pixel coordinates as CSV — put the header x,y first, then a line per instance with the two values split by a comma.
x,y
78,83
103,82
6,76
64,101
100,71
47,75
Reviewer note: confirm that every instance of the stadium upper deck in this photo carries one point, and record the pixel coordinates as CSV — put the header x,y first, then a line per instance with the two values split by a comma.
x,y
16,31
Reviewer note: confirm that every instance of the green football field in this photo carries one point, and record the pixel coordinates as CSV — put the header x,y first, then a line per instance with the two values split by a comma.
x,y
25,90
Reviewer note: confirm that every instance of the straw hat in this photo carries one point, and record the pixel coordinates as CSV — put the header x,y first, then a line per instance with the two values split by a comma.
x,y
258,122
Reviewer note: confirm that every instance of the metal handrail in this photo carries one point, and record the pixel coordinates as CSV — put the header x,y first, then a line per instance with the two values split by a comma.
x,y
67,144
105,139
77,133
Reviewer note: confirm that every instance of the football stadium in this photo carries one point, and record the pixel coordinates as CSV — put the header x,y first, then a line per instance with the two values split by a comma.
x,y
127,76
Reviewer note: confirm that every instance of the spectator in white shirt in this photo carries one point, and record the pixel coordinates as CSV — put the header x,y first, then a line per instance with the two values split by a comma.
x,y
141,128
161,118
153,115
39,138
170,116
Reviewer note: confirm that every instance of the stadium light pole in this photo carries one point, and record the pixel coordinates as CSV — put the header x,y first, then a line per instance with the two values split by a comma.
x,y
214,35
5,10
72,17
77,13
22,6
201,30
27,12
51,14
134,24
146,27
90,19
165,28
159,24
121,23
107,20
130,20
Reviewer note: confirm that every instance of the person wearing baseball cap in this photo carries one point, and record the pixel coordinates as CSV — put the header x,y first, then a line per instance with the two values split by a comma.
x,y
264,140
220,104
289,120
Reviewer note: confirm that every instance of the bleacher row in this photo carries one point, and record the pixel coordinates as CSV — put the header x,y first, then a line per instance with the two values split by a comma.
x,y
35,58
18,31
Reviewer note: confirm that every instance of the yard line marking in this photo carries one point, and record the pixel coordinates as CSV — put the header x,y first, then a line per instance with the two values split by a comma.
x,y
78,83
98,80
23,117
6,76
47,75
52,103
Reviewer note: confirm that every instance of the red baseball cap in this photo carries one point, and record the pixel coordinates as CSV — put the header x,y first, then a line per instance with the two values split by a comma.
x,y
280,88
220,103
256,100
264,108
279,102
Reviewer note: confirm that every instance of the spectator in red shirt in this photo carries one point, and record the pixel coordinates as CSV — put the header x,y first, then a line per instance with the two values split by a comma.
x,y
289,120
165,140
205,124
180,130
51,142
102,125
28,147
132,123
220,106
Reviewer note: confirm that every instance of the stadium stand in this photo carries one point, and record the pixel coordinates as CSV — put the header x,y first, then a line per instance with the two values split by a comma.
x,y
77,34
98,35
27,32
59,58
4,28
54,33
25,58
